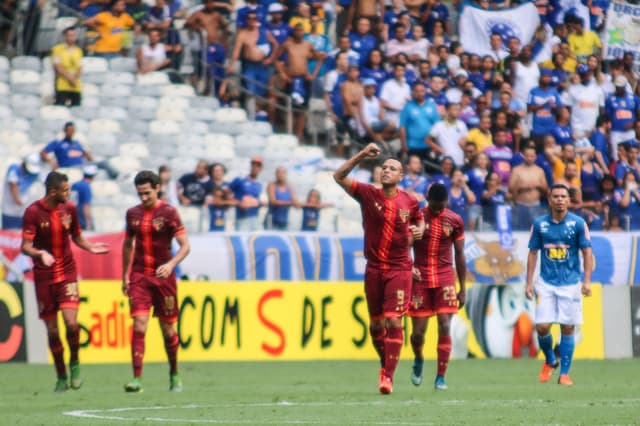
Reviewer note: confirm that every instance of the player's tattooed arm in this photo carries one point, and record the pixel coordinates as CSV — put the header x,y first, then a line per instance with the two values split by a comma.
x,y
341,175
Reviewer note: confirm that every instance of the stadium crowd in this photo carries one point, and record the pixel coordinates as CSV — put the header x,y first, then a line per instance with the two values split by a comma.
x,y
497,129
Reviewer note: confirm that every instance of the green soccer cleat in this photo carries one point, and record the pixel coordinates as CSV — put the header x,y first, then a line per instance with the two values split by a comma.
x,y
416,371
76,381
134,386
440,384
61,385
175,384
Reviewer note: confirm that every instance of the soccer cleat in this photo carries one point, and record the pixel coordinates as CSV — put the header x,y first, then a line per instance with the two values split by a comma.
x,y
76,381
134,386
61,385
416,371
440,384
385,385
565,380
547,371
175,384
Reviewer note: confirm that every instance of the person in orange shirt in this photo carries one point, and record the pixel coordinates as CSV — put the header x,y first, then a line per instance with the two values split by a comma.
x,y
110,26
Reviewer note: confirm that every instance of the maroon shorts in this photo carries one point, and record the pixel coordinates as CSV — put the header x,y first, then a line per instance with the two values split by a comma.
x,y
53,297
146,291
427,302
387,292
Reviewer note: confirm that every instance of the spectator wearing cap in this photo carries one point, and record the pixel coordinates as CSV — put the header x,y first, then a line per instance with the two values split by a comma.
x,y
66,58
542,103
586,101
583,43
449,136
623,108
17,182
251,6
68,151
416,122
395,94
454,94
372,124
278,28
247,192
110,26
82,196
362,41
194,187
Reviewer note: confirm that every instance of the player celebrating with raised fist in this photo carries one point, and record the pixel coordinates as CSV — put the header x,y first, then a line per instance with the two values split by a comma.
x,y
560,235
390,216
151,226
47,225
434,288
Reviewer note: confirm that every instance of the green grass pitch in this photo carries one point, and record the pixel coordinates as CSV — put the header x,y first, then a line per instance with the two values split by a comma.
x,y
481,392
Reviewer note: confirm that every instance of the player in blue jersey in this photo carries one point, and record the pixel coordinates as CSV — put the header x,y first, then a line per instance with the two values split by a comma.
x,y
560,235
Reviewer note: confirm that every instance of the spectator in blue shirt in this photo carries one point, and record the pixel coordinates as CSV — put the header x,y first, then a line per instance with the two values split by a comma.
x,y
543,101
416,120
492,197
628,164
281,198
220,199
277,26
311,210
626,201
436,11
247,191
251,6
362,41
622,107
562,131
414,181
194,187
68,152
374,69
600,141
460,196
82,195
19,178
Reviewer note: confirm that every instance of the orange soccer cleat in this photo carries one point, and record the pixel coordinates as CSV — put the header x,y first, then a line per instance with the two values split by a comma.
x,y
565,380
546,372
385,385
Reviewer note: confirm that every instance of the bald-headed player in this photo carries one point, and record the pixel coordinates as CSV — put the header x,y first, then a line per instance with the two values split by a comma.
x,y
390,217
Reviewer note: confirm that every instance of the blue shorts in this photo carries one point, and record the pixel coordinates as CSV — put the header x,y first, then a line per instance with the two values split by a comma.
x,y
215,63
256,72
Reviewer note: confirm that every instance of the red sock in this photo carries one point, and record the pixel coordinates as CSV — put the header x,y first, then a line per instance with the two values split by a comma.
x,y
392,346
444,351
73,338
417,343
377,338
171,345
55,345
137,353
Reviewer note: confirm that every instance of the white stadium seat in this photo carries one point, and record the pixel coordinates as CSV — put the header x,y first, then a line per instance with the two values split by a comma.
x,y
89,89
113,113
148,90
190,217
104,125
178,90
201,114
31,63
119,90
218,139
52,112
220,153
137,150
93,65
261,128
5,112
166,112
204,102
24,76
143,102
174,101
73,174
5,66
123,64
125,78
281,141
125,164
194,127
90,101
152,79
231,115
164,127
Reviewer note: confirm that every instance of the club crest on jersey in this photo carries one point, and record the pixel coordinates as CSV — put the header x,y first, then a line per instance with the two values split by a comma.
x,y
378,206
158,224
447,229
44,224
135,223
66,221
404,215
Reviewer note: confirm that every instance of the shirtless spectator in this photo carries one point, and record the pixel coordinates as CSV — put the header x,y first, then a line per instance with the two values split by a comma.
x,y
213,23
153,55
370,9
256,46
295,73
352,94
527,187
372,124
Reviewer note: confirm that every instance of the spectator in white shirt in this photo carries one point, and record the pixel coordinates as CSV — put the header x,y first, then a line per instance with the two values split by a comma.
x,y
498,52
420,45
449,136
586,101
395,94
371,121
153,55
399,44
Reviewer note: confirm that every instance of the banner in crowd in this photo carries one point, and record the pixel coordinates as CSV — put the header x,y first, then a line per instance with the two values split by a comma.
x,y
476,26
12,323
622,31
280,321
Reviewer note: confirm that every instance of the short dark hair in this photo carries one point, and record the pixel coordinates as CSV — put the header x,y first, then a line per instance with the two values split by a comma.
x,y
54,180
147,176
66,30
438,193
560,186
602,118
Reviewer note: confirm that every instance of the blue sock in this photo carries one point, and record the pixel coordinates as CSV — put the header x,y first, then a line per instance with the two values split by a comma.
x,y
546,345
567,343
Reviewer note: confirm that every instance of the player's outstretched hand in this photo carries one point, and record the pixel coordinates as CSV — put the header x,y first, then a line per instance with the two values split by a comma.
x,y
586,289
99,248
529,292
46,258
415,273
164,271
462,298
372,150
415,232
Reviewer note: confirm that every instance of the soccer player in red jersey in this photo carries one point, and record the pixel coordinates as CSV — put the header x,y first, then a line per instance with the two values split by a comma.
x,y
434,287
147,273
390,218
47,225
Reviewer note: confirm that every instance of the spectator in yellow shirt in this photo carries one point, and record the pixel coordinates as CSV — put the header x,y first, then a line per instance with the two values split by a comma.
x,y
583,43
303,17
66,59
111,26
481,135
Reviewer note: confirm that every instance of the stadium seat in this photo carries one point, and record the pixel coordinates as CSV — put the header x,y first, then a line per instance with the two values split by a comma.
x,y
94,78
128,137
84,112
137,150
113,113
125,78
100,138
174,101
231,115
73,174
53,112
106,191
260,128
4,89
137,127
164,150
114,101
64,22
103,125
201,114
123,65
148,90
14,137
157,139
166,127
191,218
117,90
249,145
193,150
308,153
94,65
166,112
186,139
89,89
178,90
143,102
47,92
142,113
5,112
349,226
5,66
31,63
281,141
182,165
277,154
194,127
24,77
14,123
218,140
104,150
204,102
152,79
125,164
91,101
48,128
229,128
222,153
108,219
